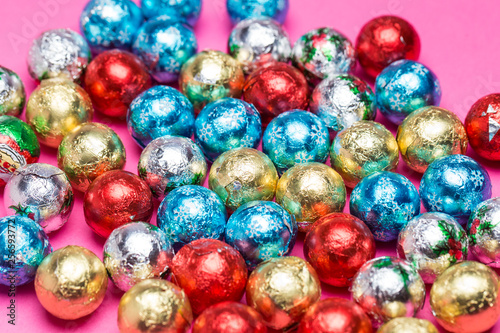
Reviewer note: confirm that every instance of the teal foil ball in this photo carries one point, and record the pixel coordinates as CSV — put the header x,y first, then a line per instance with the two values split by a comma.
x,y
243,9
188,10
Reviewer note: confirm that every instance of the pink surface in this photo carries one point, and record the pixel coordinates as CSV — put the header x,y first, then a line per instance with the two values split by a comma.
x,y
459,43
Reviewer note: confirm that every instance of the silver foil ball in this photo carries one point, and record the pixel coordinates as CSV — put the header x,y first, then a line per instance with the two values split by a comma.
x,y
484,232
12,93
42,192
254,42
137,251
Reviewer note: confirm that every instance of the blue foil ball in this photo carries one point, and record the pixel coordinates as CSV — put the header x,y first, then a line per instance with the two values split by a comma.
x,y
386,202
454,185
159,111
188,10
403,87
261,230
242,9
296,137
110,24
164,46
23,245
191,212
226,124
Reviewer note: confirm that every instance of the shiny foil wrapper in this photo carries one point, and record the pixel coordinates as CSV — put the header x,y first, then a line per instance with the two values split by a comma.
x,y
242,175
244,9
433,242
19,261
387,288
429,133
12,93
362,149
154,305
254,42
483,228
282,290
169,162
261,230
136,252
408,325
71,282
55,108
309,191
58,52
188,10
41,192
465,298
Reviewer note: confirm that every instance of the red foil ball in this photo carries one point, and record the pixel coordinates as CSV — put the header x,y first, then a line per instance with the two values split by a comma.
x,y
113,79
229,317
210,272
335,315
337,246
275,88
384,40
115,198
482,125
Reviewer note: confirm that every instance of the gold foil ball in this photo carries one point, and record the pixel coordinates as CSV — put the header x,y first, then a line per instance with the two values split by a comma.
x,y
88,151
209,76
309,191
55,108
428,134
71,282
362,149
465,298
408,325
282,289
242,175
154,305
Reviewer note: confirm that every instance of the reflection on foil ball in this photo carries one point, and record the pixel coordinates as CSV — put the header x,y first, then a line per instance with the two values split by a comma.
x,y
12,93
188,10
408,325
41,192
484,232
18,264
244,9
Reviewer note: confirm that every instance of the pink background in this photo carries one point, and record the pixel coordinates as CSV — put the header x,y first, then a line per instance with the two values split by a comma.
x,y
459,43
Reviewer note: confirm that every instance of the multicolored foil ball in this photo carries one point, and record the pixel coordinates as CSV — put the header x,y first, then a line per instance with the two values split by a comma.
x,y
239,10
261,230
24,244
455,185
483,228
226,124
408,325
188,10
12,93
428,134
159,111
385,201
71,282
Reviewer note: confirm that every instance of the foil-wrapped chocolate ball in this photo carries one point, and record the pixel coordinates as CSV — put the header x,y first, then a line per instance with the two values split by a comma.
x,y
188,10
257,41
210,272
209,76
164,46
154,305
159,111
430,133
282,290
323,53
387,288
362,149
433,242
58,52
41,192
385,201
466,298
55,108
88,151
483,228
295,137
71,282
242,175
309,191
18,146
408,325
243,9
23,244
116,198
110,24
455,185
191,212
343,100
136,252
226,124
12,93
274,88
261,230
169,162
